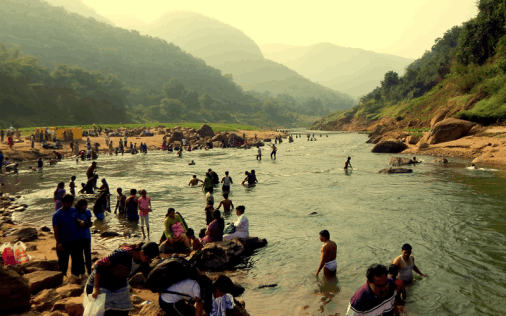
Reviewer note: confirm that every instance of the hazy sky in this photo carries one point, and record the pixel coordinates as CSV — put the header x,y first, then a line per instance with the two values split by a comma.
x,y
400,27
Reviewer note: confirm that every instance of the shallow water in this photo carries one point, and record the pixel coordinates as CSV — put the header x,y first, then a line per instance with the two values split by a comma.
x,y
452,216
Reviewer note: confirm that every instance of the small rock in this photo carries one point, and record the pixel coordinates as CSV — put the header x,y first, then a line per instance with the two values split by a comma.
x,y
31,247
60,305
48,265
46,299
136,300
137,281
395,170
70,290
45,229
267,285
109,234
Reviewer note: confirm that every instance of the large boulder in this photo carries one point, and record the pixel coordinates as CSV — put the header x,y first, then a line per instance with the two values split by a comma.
x,y
389,146
448,130
252,243
219,138
222,255
438,118
398,161
138,281
205,131
41,280
176,137
395,170
14,290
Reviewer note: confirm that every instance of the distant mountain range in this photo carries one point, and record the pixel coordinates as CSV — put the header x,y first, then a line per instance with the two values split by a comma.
x,y
350,70
79,7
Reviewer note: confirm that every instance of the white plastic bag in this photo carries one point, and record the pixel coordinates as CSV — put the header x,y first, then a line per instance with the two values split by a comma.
x,y
94,307
19,249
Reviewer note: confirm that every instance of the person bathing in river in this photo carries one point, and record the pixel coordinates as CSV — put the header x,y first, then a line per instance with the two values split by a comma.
x,y
227,181
100,206
120,202
227,204
72,186
250,178
131,204
208,183
191,163
406,264
259,156
58,195
194,181
144,210
328,255
393,271
347,164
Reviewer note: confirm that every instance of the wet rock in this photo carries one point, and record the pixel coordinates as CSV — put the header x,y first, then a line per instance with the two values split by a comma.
x,y
31,247
74,306
267,140
448,130
205,131
267,285
41,280
313,213
109,234
395,170
70,290
251,244
45,299
389,146
24,234
14,290
398,161
440,160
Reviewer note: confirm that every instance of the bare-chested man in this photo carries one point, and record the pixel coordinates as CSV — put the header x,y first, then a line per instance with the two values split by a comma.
x,y
406,264
328,262
227,204
194,181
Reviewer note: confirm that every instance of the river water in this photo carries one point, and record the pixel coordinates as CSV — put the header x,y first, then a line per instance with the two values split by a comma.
x,y
452,216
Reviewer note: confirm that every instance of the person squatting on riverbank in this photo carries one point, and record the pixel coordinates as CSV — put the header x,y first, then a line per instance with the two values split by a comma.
x,y
144,210
328,255
111,273
376,297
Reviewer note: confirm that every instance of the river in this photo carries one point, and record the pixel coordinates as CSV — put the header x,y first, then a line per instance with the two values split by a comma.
x,y
452,216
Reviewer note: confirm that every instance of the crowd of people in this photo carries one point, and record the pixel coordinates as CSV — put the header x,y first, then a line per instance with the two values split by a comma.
x,y
71,226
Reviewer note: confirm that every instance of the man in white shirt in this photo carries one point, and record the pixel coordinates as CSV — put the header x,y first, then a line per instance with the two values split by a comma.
x,y
241,225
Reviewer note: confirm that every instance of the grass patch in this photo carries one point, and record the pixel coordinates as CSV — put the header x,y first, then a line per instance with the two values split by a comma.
x,y
417,131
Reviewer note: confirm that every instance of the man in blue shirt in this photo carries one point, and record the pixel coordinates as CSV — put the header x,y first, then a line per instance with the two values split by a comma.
x,y
66,223
376,297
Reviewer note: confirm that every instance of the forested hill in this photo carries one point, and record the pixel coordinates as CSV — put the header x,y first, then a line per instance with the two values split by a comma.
x,y
462,76
79,59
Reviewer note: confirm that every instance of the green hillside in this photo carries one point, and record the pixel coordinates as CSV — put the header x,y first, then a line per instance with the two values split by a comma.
x,y
150,80
233,52
462,76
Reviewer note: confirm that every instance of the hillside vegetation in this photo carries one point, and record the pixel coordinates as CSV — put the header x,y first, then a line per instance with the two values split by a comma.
x,y
72,62
462,76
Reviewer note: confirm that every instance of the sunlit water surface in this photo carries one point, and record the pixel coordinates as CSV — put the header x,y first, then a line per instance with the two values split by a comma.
x,y
452,216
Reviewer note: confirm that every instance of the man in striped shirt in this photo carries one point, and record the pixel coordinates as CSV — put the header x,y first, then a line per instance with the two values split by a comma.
x,y
376,297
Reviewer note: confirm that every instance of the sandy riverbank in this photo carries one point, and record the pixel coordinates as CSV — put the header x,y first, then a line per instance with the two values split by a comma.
x,y
23,152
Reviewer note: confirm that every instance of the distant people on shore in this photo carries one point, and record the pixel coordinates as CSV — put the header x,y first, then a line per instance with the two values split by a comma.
x,y
328,255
